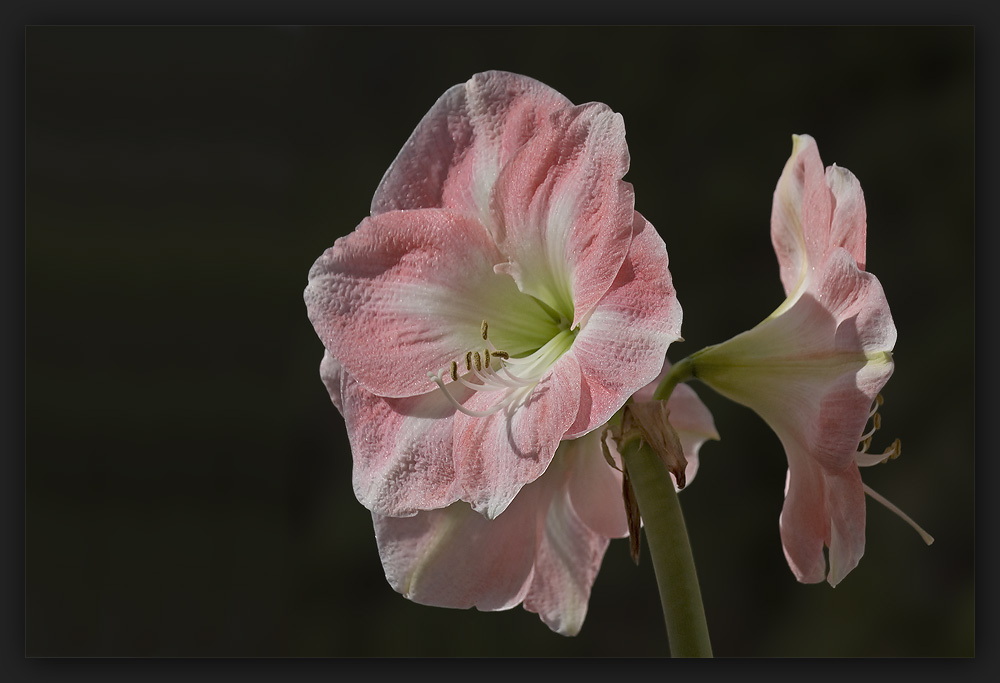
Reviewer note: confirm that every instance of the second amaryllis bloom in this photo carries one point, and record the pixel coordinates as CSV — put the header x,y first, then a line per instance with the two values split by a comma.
x,y
503,297
814,368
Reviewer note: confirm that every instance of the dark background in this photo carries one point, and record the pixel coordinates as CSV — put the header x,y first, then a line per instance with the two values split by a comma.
x,y
187,479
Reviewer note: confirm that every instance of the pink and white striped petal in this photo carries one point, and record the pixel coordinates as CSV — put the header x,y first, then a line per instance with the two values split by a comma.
x,y
563,215
401,446
452,158
622,344
405,294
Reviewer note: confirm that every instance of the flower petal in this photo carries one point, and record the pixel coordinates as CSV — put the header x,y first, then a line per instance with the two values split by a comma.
x,y
563,215
406,293
455,557
497,455
849,228
621,345
452,158
800,213
822,508
595,488
566,565
401,446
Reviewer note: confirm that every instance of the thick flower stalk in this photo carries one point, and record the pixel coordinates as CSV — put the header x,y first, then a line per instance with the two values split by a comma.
x,y
503,298
814,368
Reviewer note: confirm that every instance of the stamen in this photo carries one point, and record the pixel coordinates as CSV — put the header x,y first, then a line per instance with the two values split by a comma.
x,y
501,354
865,459
486,358
454,371
478,360
877,419
928,539
878,399
468,360
485,330
458,406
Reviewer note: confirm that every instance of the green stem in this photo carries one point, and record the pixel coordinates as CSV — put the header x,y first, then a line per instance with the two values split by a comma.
x,y
670,550
680,372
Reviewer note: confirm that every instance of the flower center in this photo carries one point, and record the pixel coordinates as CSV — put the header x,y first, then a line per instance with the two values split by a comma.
x,y
493,370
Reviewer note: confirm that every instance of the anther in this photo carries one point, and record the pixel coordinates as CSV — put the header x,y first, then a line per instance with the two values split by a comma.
x,y
878,399
478,360
878,420
486,358
468,360
485,329
501,354
894,450
454,371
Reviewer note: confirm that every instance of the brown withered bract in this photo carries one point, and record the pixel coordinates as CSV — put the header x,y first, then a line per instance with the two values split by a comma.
x,y
651,420
632,514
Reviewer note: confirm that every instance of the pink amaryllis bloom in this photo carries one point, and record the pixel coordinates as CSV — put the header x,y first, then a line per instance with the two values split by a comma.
x,y
503,297
814,368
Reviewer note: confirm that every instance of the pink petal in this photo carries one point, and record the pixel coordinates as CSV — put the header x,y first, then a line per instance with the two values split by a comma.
x,y
563,215
401,446
406,293
455,557
497,455
822,508
452,158
595,488
621,346
850,223
845,501
566,565
804,521
801,213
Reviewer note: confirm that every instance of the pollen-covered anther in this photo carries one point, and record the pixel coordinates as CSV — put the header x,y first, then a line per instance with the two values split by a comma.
x,y
894,450
477,360
501,354
468,361
454,371
486,358
485,330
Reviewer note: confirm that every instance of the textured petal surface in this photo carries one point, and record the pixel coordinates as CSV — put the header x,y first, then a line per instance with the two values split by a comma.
x,y
563,215
495,456
621,345
406,293
401,446
452,158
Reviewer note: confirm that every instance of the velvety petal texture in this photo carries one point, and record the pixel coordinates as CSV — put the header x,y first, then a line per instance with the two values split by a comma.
x,y
813,368
545,550
503,298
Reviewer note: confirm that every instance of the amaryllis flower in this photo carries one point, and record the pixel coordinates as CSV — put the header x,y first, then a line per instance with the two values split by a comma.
x,y
504,296
814,368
